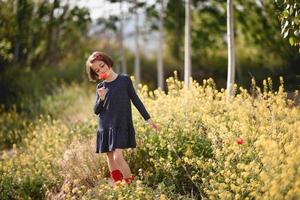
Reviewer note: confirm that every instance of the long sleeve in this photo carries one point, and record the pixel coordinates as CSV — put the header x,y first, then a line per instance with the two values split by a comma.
x,y
98,107
137,101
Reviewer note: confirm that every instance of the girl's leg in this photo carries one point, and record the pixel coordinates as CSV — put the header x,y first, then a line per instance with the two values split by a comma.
x,y
110,160
120,161
114,169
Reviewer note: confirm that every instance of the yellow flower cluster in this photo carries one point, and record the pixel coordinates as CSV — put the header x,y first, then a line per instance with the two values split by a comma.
x,y
209,147
266,165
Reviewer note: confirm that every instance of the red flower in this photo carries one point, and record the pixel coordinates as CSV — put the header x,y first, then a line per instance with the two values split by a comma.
x,y
102,76
97,57
240,141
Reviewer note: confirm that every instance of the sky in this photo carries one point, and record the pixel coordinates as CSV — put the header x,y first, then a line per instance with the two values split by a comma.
x,y
100,8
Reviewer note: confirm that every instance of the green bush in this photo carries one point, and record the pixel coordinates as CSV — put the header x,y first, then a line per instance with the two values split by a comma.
x,y
24,87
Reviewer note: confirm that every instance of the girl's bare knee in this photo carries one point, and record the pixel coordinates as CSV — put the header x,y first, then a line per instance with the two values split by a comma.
x,y
110,156
118,156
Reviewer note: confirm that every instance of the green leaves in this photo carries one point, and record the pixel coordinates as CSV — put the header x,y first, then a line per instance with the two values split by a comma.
x,y
290,20
5,46
292,41
37,32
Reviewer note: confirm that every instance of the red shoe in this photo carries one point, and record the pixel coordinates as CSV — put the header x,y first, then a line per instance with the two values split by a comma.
x,y
129,179
116,175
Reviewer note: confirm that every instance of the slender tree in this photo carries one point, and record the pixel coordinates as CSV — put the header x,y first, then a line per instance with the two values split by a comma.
x,y
19,44
123,57
187,44
51,26
160,67
231,51
137,67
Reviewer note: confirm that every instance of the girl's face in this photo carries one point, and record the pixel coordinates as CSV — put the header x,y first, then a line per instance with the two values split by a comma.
x,y
100,67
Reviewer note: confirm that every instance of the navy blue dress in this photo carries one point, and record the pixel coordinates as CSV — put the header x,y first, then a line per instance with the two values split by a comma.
x,y
115,128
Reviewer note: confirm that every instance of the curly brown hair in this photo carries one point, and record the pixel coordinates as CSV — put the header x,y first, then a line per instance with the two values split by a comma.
x,y
97,55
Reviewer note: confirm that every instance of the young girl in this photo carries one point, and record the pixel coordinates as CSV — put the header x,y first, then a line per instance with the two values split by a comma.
x,y
116,131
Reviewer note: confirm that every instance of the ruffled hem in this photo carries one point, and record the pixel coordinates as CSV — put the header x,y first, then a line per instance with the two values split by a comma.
x,y
112,138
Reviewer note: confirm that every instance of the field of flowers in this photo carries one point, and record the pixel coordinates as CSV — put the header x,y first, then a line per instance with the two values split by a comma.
x,y
208,147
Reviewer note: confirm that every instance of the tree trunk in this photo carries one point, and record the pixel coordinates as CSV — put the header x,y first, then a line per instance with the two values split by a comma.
x,y
123,57
21,4
137,70
231,51
56,44
160,67
49,48
187,44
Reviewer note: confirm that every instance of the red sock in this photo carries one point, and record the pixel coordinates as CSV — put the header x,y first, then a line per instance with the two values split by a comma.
x,y
129,179
116,175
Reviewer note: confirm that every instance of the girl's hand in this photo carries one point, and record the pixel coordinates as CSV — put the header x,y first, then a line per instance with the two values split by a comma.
x,y
153,125
101,92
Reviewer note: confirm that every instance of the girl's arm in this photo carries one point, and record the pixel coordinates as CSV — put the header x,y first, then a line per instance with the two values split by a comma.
x,y
98,107
137,101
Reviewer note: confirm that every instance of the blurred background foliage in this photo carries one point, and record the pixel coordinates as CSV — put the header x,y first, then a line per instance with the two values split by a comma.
x,y
45,43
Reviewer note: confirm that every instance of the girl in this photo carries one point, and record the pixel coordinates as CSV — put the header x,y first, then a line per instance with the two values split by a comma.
x,y
115,129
